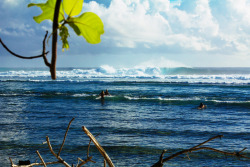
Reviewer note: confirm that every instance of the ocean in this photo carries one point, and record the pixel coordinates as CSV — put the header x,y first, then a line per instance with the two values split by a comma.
x,y
150,109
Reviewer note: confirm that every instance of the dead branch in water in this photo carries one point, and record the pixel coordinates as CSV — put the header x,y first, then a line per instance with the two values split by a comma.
x,y
197,148
60,159
99,147
107,159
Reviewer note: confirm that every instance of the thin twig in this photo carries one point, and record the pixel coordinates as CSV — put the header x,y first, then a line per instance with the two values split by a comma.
x,y
160,162
104,163
188,156
44,49
243,150
237,154
19,56
58,157
44,164
65,137
12,164
212,138
89,145
98,146
197,148
85,161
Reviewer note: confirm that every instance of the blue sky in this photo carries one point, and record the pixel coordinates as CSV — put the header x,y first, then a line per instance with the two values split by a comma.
x,y
167,33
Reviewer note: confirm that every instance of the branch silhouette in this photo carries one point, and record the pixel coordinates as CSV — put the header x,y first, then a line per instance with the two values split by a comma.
x,y
24,57
160,163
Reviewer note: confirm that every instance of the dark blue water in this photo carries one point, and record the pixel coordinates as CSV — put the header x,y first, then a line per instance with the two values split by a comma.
x,y
144,115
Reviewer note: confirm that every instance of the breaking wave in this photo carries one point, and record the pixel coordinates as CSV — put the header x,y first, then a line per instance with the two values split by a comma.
x,y
138,74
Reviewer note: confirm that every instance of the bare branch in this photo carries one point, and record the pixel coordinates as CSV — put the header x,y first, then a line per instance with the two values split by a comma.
x,y
197,148
89,145
35,164
44,49
237,154
65,137
98,146
212,138
44,164
12,164
243,150
160,162
19,56
89,159
58,157
104,163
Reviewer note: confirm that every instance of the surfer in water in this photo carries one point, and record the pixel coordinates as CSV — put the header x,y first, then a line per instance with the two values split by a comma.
x,y
102,94
202,106
107,93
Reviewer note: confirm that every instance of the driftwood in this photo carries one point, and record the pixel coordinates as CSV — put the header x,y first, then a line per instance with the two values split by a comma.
x,y
197,148
99,147
61,160
107,159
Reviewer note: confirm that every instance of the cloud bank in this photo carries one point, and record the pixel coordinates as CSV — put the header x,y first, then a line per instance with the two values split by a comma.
x,y
197,27
201,26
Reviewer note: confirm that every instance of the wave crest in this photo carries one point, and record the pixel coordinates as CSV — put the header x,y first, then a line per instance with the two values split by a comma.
x,y
142,74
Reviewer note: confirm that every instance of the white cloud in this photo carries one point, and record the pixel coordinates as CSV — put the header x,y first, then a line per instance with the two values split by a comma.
x,y
161,62
10,2
18,30
241,9
157,23
235,30
197,27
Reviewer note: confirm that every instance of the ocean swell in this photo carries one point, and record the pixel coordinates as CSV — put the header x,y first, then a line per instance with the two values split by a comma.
x,y
142,74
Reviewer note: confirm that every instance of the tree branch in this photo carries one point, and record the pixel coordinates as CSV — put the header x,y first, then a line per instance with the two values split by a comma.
x,y
44,49
212,138
197,148
237,154
65,137
83,162
58,157
19,56
160,162
44,164
12,164
36,164
98,146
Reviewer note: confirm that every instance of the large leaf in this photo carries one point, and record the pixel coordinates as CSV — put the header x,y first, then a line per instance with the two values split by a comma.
x,y
89,25
48,9
72,7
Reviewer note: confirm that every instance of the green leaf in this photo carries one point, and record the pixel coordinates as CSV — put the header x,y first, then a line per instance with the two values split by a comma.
x,y
89,25
72,7
64,33
48,9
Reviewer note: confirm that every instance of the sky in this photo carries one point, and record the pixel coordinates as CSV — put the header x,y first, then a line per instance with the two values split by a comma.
x,y
165,33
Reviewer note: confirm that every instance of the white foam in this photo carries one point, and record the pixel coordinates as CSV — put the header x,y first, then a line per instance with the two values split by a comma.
x,y
109,73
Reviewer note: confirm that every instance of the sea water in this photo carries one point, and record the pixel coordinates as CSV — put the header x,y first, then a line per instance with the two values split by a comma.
x,y
150,109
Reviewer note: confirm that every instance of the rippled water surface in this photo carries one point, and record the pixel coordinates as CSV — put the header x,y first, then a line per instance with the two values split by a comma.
x,y
149,110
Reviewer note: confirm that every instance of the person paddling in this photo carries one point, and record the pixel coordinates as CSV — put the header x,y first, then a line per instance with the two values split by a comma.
x,y
102,94
202,106
107,93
